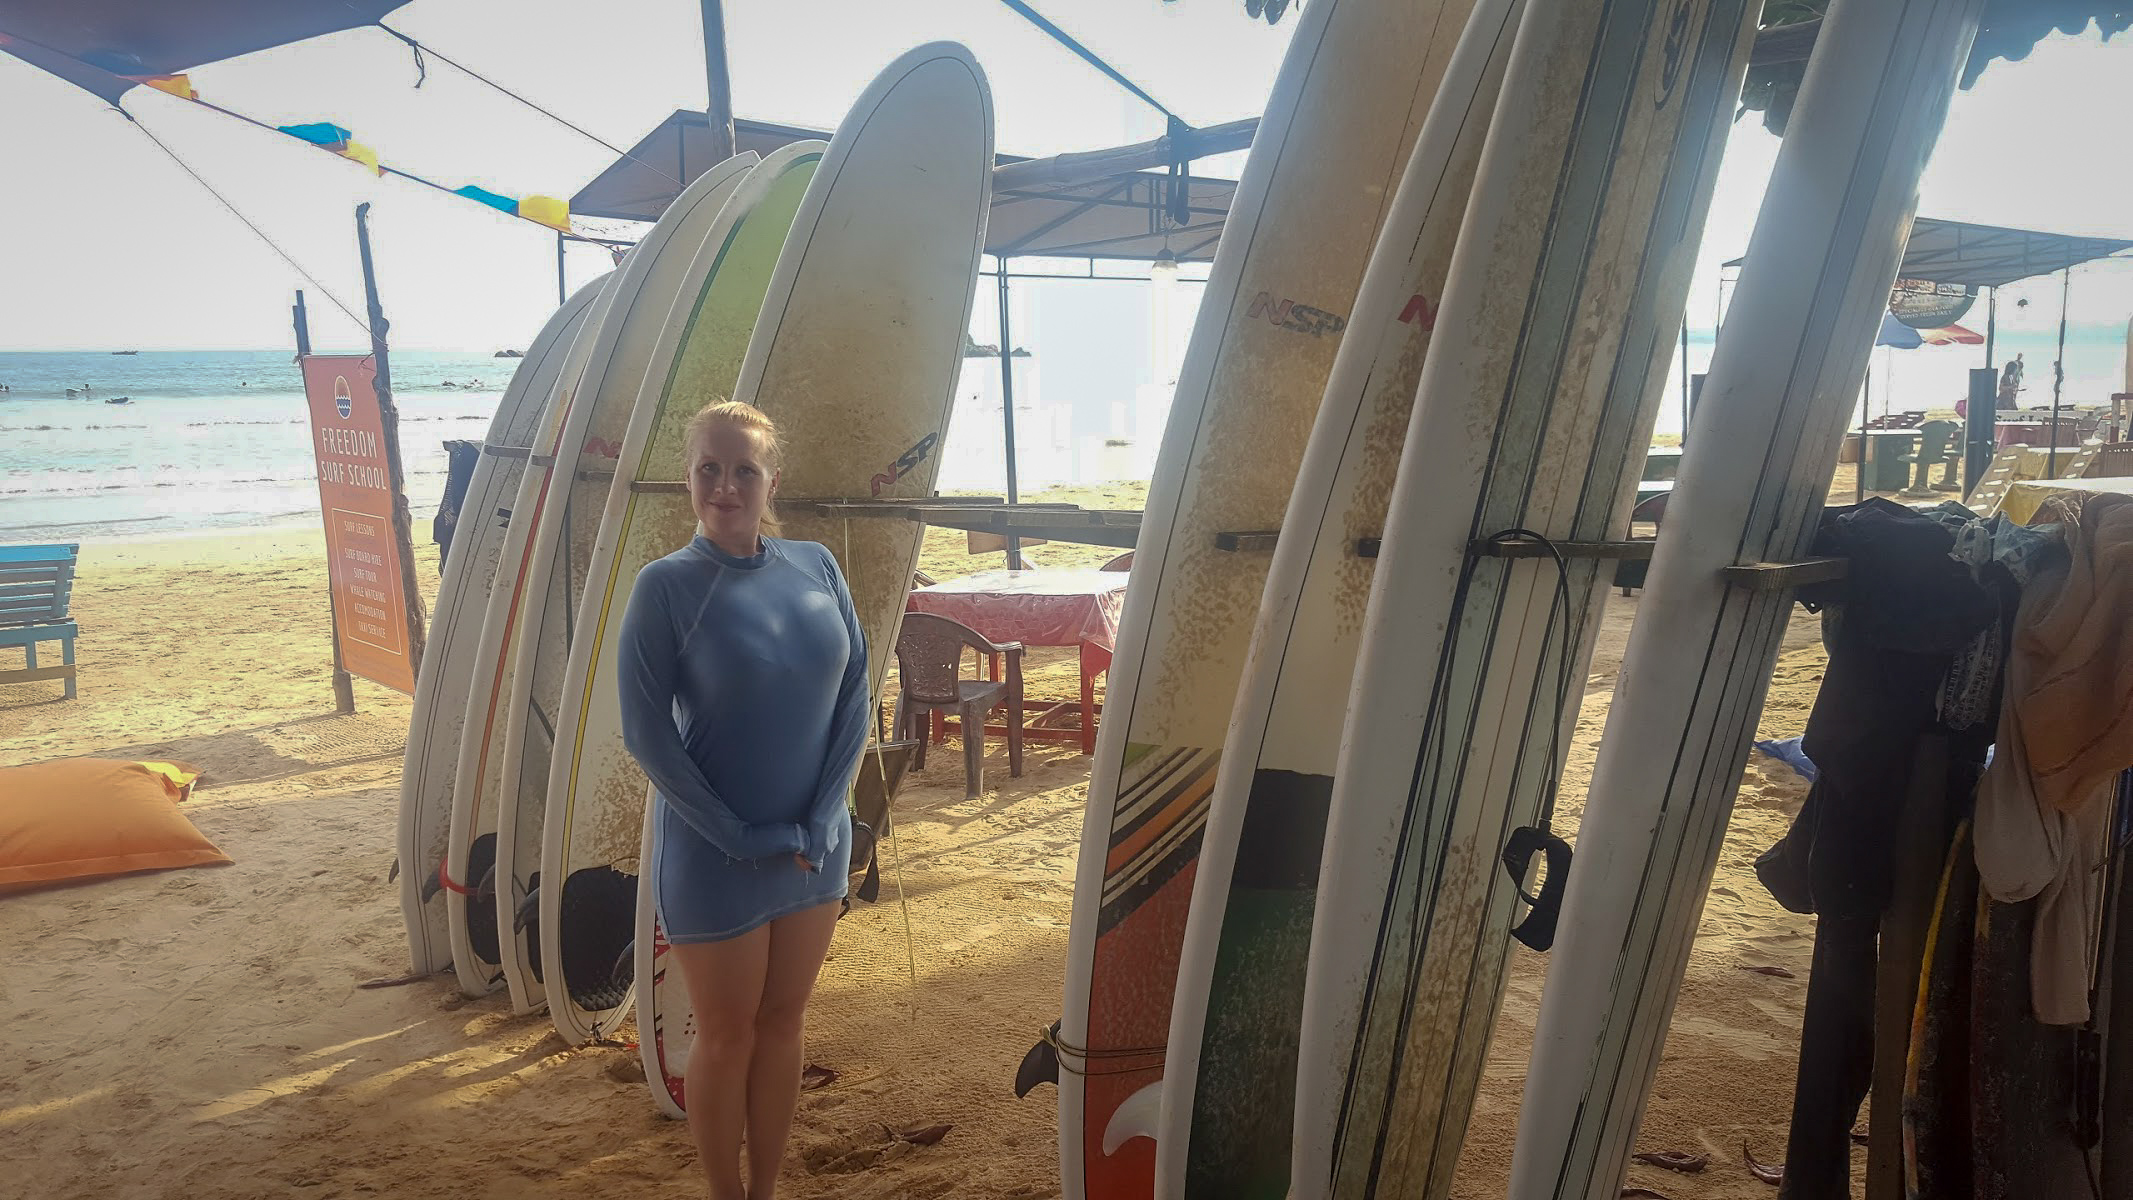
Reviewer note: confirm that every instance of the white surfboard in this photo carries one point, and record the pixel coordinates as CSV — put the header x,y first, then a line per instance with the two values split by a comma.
x,y
1801,325
533,625
1229,1086
1534,411
449,663
1357,81
694,355
855,357
481,752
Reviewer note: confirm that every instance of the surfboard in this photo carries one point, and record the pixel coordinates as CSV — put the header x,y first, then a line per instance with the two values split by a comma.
x,y
513,707
695,353
481,755
1346,106
1820,263
855,357
1229,1085
449,663
1533,413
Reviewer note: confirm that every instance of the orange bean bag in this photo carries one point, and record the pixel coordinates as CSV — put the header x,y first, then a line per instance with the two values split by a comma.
x,y
81,818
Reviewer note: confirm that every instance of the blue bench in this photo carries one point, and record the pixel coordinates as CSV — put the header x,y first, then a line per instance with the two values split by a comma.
x,y
35,584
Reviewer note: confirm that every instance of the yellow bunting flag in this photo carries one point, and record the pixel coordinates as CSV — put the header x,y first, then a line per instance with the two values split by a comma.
x,y
180,86
547,210
362,154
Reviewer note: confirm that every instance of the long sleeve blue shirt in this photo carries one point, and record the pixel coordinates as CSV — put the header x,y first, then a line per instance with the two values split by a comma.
x,y
744,697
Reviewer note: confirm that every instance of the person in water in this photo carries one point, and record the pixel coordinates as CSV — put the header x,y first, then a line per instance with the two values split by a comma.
x,y
743,674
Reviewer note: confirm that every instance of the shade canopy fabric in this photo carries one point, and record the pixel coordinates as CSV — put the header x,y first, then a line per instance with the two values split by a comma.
x,y
94,44
1110,218
1991,255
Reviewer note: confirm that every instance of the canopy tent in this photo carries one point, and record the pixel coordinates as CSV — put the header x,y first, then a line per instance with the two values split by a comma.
x,y
100,46
1049,208
1960,252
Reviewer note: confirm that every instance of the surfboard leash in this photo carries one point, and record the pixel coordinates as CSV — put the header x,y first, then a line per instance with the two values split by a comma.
x,y
896,854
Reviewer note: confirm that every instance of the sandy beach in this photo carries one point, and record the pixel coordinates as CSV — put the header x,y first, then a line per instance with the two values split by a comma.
x,y
205,1032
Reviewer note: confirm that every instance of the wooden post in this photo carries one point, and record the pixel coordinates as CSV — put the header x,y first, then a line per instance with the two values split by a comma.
x,y
718,110
343,686
389,425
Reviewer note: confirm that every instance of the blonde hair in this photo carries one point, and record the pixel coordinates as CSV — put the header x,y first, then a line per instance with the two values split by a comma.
x,y
746,416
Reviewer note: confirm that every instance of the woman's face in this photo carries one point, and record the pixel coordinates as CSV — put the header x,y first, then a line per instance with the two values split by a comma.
x,y
730,484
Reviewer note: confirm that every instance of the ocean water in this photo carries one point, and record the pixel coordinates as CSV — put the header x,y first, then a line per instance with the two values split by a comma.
x,y
210,439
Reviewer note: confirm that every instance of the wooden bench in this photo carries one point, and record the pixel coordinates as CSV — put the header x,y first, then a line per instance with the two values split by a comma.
x,y
35,584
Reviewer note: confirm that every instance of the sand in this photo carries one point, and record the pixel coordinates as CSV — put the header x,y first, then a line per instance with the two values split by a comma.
x,y
203,1032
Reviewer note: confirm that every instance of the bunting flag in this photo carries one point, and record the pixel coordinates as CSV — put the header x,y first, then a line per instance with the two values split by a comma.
x,y
358,152
484,196
318,133
179,85
547,210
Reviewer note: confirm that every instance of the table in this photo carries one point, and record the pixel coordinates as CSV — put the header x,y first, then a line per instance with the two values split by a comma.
x,y
2027,496
1040,608
2034,433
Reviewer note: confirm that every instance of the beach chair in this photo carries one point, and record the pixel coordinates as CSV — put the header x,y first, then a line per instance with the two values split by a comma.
x,y
1991,490
35,585
929,668
2112,462
1935,446
2076,465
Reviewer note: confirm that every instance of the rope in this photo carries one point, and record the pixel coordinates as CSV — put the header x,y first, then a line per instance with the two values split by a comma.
x,y
1062,1050
421,49
261,234
1089,56
896,856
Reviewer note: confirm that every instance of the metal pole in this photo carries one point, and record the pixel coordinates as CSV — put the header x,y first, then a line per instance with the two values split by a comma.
x,y
1684,383
1007,414
718,109
562,286
1992,324
1866,408
344,700
2066,288
389,427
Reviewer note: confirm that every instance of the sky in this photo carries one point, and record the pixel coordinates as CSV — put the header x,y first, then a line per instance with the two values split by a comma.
x,y
110,244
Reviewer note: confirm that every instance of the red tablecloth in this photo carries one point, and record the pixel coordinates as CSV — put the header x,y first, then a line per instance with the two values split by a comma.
x,y
1036,608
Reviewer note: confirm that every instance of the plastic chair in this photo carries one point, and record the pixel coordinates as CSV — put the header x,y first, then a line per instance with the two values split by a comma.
x,y
1934,438
2112,462
1123,562
929,666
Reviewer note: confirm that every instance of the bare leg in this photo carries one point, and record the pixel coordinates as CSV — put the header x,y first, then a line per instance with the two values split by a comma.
x,y
798,944
725,983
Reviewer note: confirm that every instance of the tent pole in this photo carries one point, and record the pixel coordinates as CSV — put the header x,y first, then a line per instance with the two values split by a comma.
x,y
2066,288
1992,321
1007,413
562,288
1684,382
1866,408
343,683
718,110
389,425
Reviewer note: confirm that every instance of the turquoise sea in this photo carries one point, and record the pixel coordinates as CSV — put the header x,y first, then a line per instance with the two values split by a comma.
x,y
207,439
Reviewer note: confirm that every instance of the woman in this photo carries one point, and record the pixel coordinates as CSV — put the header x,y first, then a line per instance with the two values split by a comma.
x,y
744,696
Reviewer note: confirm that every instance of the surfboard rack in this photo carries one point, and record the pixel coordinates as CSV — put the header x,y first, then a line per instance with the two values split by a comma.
x,y
1777,576
1753,577
1057,522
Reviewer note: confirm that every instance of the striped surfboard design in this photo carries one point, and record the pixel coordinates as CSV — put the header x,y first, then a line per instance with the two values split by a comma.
x,y
1345,109
1825,251
1534,411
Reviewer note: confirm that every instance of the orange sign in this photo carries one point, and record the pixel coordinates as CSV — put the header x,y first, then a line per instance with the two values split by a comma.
x,y
355,494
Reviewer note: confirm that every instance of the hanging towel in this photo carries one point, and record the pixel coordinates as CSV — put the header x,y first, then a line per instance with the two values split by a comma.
x,y
2076,709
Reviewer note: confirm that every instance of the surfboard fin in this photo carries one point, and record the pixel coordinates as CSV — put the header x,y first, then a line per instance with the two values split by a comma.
x,y
625,968
1040,1065
394,874
486,889
527,910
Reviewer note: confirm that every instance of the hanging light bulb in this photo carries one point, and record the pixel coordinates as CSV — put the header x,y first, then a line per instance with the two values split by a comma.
x,y
1165,266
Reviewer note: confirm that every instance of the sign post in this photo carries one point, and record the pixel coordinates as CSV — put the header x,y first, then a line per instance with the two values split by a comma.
x,y
378,621
343,685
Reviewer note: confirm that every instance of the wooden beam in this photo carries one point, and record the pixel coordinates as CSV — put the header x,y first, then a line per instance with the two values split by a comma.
x,y
1087,166
34,674
1255,541
1635,548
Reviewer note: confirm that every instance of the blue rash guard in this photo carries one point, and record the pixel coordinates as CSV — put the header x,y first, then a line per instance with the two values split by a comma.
x,y
744,697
